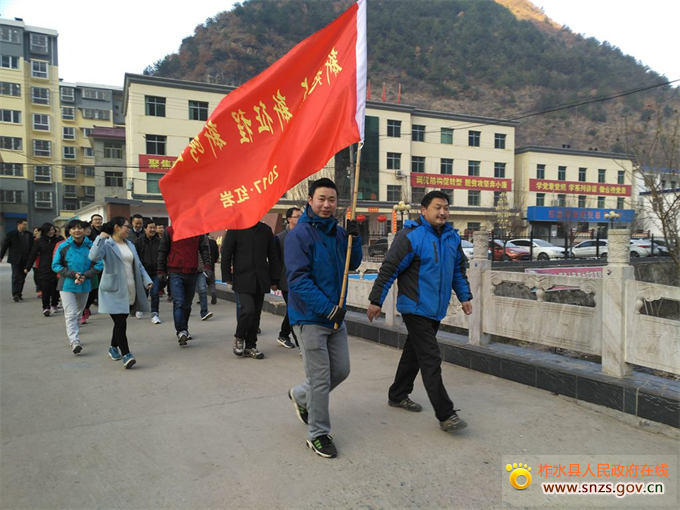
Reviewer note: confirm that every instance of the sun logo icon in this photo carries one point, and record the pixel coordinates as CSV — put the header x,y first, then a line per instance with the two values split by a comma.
x,y
517,471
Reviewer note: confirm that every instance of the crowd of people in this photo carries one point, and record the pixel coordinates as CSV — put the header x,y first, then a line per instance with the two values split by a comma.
x,y
122,266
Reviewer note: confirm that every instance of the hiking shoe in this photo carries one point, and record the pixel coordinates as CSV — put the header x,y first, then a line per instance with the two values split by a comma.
x,y
129,360
452,423
323,446
77,348
213,300
114,354
407,404
238,346
55,309
253,353
139,315
182,338
301,412
46,312
285,342
206,316
155,319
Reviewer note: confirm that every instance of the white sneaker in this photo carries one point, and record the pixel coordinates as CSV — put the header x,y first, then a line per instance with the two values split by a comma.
x,y
139,315
155,319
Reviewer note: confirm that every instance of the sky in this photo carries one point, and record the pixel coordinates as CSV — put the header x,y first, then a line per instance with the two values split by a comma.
x,y
99,42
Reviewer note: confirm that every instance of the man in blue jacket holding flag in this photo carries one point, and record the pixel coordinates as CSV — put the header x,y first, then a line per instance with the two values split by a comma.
x,y
427,258
315,253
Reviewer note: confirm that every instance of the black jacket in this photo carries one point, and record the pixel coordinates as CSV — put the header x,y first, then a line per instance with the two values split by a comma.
x,y
43,248
19,246
147,249
254,256
93,234
214,252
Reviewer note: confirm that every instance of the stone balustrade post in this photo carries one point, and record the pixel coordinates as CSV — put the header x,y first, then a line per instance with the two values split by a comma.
x,y
478,275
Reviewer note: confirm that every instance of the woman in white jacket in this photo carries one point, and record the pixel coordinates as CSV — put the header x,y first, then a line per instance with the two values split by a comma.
x,y
121,289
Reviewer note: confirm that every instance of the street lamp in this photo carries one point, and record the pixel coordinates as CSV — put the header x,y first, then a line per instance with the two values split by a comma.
x,y
402,208
611,216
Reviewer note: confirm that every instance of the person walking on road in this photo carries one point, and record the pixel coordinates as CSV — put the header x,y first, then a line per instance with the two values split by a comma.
x,y
43,251
292,216
427,259
19,243
147,249
203,280
123,283
315,254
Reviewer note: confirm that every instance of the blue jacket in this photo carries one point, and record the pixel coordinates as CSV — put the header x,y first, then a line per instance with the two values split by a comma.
x,y
70,259
428,264
314,253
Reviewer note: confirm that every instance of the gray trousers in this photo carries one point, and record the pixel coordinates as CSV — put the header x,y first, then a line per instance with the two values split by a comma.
x,y
74,303
325,354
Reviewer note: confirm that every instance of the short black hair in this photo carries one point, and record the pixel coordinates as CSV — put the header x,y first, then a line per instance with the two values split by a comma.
x,y
75,223
149,222
96,214
21,220
135,216
324,182
291,210
427,199
45,228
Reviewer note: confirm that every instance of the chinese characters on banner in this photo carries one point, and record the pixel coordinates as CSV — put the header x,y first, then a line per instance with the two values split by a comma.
x,y
419,180
579,188
273,131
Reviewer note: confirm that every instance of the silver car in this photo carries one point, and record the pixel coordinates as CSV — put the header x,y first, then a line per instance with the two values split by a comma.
x,y
543,250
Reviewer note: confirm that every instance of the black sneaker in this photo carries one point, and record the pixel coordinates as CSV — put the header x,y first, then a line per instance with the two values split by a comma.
x,y
285,342
253,353
407,404
452,423
213,300
323,446
302,413
77,348
16,298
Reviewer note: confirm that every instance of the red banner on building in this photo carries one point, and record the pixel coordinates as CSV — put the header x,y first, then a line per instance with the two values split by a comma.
x,y
579,188
159,164
273,132
459,182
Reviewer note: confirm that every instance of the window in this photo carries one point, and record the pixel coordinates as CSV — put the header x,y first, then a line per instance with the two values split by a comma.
x,y
499,170
155,106
582,201
418,164
198,110
42,173
152,183
68,113
39,44
88,191
10,143
601,175
87,132
88,152
11,196
474,197
394,128
69,152
561,200
540,171
601,202
446,166
70,172
474,138
68,133
540,199
9,62
582,174
113,179
621,177
70,191
41,122
42,148
90,113
499,141
10,89
113,150
473,168
38,69
496,197
474,226
67,94
417,195
97,94
70,207
155,144
11,169
8,34
418,133
43,199
393,193
561,173
447,136
11,116
88,171
620,203
40,95
393,161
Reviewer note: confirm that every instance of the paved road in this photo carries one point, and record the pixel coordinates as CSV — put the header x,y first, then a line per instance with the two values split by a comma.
x,y
199,428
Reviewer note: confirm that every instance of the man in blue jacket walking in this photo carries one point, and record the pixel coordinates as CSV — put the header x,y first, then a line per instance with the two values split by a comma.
x,y
315,252
427,258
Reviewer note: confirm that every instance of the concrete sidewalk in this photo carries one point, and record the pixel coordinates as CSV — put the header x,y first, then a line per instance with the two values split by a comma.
x,y
199,428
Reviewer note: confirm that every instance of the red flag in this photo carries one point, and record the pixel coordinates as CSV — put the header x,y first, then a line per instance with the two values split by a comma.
x,y
383,96
272,132
399,95
368,91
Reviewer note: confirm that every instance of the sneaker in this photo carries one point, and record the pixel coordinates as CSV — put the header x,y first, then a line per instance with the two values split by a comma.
x,y
238,346
139,315
189,337
407,404
452,423
182,338
253,353
85,316
55,309
285,342
206,316
16,298
259,331
77,348
301,412
129,360
213,300
323,446
46,312
114,354
155,319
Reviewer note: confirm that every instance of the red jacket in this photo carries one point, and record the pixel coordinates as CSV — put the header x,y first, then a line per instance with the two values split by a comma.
x,y
181,256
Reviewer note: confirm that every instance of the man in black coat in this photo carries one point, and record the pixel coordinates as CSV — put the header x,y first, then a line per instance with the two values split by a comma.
x,y
250,263
43,249
19,243
147,249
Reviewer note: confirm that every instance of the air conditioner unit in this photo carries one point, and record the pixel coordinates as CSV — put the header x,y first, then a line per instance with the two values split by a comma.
x,y
399,174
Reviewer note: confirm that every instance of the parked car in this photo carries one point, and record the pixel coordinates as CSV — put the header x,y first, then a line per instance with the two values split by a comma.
x,y
643,247
508,251
543,250
379,247
587,249
467,248
660,246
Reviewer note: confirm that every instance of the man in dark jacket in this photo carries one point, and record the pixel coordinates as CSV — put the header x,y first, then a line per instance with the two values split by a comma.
x,y
427,258
178,264
137,227
43,249
147,249
250,263
96,221
19,243
292,216
214,257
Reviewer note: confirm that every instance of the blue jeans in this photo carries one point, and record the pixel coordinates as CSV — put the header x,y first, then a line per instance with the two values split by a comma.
x,y
202,289
182,288
154,293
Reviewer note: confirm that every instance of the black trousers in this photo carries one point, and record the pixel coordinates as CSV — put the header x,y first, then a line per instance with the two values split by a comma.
x,y
421,352
249,318
92,297
18,279
50,294
286,330
119,338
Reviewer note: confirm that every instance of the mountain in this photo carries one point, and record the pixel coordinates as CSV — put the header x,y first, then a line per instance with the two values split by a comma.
x,y
502,58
